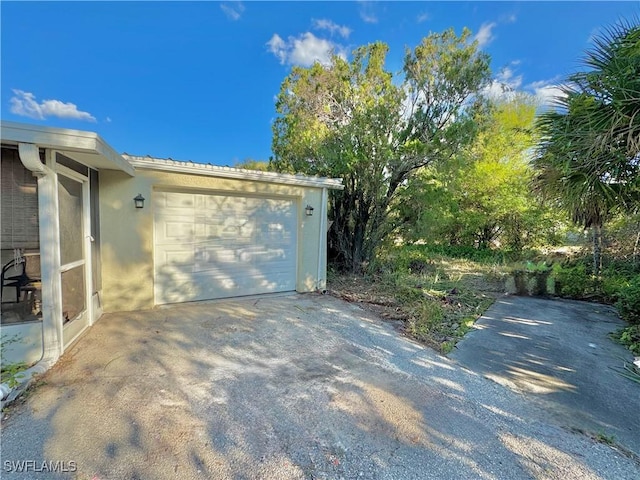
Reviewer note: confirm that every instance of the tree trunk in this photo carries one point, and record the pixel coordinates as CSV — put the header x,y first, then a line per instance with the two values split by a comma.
x,y
358,245
635,249
597,249
347,238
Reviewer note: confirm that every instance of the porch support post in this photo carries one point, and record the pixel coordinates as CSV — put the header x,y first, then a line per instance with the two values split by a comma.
x,y
49,249
322,247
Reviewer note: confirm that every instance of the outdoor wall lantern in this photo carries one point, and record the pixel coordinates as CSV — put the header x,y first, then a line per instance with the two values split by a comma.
x,y
139,201
309,210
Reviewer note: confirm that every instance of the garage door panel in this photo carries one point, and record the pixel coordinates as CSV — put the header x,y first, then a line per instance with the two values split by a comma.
x,y
182,258
178,200
175,231
178,286
211,256
199,258
215,246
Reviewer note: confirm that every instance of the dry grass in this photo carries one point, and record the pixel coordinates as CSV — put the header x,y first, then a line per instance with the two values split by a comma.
x,y
436,305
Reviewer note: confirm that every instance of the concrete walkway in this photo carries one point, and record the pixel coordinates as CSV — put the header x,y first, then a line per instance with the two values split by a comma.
x,y
288,387
558,354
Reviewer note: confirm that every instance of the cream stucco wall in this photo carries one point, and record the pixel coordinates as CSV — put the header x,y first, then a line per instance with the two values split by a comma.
x,y
127,232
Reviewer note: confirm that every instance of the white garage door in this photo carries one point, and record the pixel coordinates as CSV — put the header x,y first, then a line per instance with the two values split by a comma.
x,y
217,246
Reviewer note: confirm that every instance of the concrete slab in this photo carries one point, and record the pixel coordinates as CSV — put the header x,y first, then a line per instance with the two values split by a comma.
x,y
558,354
303,386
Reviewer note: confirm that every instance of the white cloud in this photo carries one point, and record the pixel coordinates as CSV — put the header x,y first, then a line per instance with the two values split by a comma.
x,y
508,77
108,119
504,86
485,35
304,50
366,12
324,24
423,17
546,92
25,104
278,47
498,91
233,10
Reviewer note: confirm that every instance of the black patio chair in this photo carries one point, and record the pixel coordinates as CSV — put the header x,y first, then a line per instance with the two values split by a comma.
x,y
29,273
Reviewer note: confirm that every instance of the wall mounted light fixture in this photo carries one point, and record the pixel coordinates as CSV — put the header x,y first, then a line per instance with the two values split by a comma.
x,y
308,210
139,201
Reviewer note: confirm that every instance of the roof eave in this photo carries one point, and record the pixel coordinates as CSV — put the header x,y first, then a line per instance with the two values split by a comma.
x,y
233,173
64,140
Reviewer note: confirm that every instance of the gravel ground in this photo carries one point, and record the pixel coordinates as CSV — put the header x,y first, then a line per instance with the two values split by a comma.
x,y
281,387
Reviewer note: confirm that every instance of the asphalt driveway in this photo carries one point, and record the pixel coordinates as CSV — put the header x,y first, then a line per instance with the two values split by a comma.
x,y
282,387
558,354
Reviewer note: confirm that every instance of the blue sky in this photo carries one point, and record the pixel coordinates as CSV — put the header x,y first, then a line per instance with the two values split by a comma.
x,y
197,80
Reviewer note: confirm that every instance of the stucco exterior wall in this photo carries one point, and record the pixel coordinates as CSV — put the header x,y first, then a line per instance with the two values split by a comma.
x,y
127,233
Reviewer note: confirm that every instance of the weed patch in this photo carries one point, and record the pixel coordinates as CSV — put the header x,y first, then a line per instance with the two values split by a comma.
x,y
437,298
11,372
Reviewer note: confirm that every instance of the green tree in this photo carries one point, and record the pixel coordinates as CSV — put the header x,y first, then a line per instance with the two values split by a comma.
x,y
353,119
251,164
483,197
590,150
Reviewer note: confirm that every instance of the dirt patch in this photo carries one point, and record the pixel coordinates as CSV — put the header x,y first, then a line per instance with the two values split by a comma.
x,y
435,306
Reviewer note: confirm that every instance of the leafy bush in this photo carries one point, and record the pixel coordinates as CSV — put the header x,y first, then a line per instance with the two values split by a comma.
x,y
611,286
10,372
481,255
401,260
419,259
630,338
418,266
574,281
536,267
629,301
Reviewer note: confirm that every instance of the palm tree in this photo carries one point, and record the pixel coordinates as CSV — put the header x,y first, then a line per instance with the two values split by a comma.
x,y
589,156
613,82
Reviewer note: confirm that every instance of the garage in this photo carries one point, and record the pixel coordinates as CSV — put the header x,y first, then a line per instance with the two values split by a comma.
x,y
182,232
209,246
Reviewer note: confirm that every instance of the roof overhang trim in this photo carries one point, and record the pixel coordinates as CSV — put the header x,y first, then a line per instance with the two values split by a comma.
x,y
234,173
87,147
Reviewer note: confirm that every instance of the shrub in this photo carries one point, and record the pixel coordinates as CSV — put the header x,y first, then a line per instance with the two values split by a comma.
x,y
404,259
630,338
611,287
573,282
629,301
418,259
418,266
10,373
480,255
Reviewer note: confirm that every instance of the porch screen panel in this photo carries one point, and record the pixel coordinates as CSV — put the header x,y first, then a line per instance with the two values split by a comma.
x,y
73,293
70,204
94,193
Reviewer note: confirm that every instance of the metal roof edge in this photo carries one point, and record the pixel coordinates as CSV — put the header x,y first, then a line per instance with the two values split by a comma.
x,y
178,166
63,138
